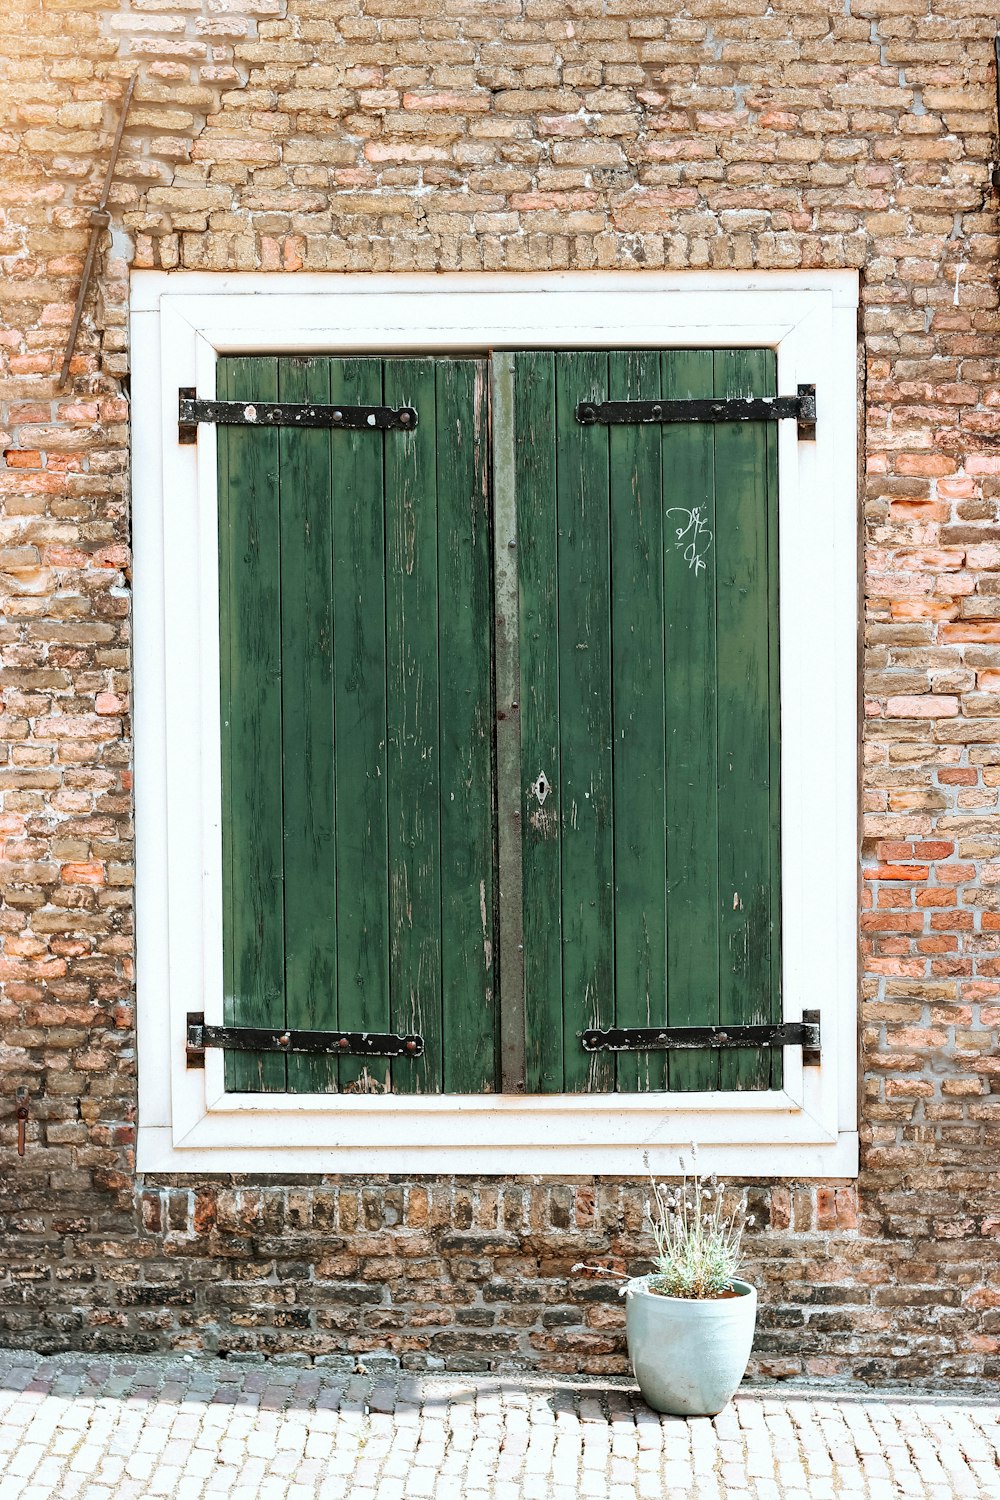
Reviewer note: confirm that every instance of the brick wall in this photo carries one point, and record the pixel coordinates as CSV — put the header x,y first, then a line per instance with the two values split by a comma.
x,y
380,134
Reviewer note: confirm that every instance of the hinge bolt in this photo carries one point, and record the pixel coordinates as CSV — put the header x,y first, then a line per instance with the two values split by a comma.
x,y
21,1115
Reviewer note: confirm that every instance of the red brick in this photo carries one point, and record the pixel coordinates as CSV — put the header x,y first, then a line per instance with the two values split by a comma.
x,y
85,874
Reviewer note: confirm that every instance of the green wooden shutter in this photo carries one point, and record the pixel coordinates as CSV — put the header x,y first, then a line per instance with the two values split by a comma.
x,y
649,718
355,609
359,813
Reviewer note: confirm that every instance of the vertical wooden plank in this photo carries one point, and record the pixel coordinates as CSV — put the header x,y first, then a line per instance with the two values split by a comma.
x,y
584,567
745,829
507,694
307,723
690,566
225,697
774,705
541,776
413,728
637,677
466,716
359,633
249,547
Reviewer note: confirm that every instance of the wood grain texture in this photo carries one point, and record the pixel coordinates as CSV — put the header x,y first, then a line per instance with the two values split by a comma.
x,y
249,547
307,723
464,568
681,802
359,607
584,569
230,1002
692,777
637,683
412,725
507,693
358,741
744,715
774,730
541,775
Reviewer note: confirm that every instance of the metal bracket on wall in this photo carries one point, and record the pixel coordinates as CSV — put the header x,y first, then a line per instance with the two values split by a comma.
x,y
801,408
99,220
804,1034
303,1043
191,411
21,1116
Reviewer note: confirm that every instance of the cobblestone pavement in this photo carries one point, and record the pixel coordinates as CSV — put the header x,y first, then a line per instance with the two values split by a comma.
x,y
118,1429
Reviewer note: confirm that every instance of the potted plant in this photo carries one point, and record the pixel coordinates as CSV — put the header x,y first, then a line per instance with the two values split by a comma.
x,y
690,1321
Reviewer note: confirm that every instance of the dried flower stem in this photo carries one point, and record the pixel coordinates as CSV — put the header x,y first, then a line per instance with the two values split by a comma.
x,y
698,1245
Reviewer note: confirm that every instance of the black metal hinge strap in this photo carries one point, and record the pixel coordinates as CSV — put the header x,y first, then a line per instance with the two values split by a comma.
x,y
804,1034
307,1043
191,411
801,408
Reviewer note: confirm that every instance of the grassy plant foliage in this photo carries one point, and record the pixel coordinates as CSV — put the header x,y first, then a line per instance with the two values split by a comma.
x,y
698,1239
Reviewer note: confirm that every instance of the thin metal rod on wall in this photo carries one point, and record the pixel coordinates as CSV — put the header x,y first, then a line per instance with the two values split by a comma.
x,y
99,221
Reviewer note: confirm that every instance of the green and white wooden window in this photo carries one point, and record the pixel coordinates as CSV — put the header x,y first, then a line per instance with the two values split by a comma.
x,y
384,787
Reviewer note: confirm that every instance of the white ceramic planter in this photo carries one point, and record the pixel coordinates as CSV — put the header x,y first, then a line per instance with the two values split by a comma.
x,y
689,1355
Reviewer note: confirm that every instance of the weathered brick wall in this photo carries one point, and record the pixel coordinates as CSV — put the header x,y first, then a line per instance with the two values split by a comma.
x,y
379,134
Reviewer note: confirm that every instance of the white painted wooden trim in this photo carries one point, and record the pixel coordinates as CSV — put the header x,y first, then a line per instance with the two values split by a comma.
x,y
181,322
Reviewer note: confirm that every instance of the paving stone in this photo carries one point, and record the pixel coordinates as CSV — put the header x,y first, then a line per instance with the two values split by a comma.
x,y
127,1430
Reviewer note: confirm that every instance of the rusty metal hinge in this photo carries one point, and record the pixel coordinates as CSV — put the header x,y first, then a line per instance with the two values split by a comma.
x,y
801,408
191,411
301,1043
804,1034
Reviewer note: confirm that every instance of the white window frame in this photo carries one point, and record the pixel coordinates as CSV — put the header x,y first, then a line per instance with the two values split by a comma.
x,y
181,323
